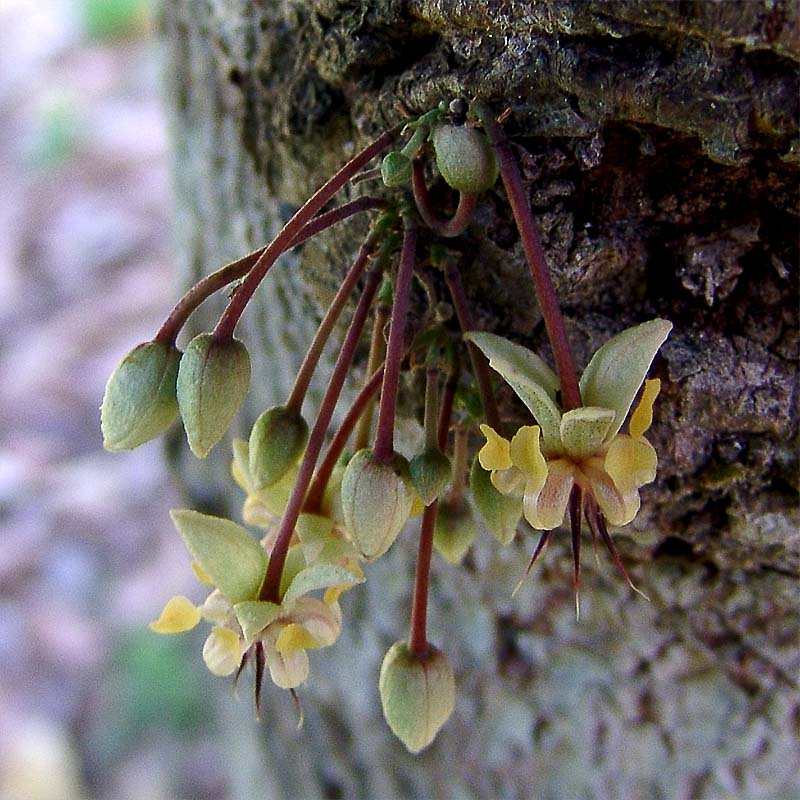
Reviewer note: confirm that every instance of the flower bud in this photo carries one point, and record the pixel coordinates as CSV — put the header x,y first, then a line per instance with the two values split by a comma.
x,y
430,472
464,158
213,378
139,402
500,513
276,442
376,501
396,169
455,531
418,694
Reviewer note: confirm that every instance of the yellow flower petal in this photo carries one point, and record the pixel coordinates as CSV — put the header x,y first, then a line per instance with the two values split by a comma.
x,y
494,454
526,454
179,615
322,620
294,637
618,510
642,417
222,651
509,482
417,506
287,670
544,509
200,574
630,463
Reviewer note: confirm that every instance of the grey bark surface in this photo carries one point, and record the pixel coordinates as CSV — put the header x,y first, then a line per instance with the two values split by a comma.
x,y
660,143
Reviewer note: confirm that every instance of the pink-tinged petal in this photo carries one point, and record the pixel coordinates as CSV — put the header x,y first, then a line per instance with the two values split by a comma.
x,y
322,621
618,508
287,670
642,417
526,454
544,509
630,463
180,614
494,454
222,651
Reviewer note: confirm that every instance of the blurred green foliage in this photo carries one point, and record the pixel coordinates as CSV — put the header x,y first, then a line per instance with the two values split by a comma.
x,y
114,19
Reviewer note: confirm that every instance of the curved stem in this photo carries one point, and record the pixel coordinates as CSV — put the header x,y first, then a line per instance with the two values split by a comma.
x,y
205,287
316,491
306,372
480,364
376,353
270,589
230,317
384,435
418,640
448,228
548,302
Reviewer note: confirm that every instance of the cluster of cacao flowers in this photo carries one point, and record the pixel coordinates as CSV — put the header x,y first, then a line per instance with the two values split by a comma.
x,y
323,515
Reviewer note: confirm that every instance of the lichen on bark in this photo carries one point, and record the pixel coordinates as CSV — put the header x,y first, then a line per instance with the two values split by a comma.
x,y
660,146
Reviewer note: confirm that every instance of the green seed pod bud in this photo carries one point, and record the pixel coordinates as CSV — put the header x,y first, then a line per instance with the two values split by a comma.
x,y
376,501
500,513
332,497
418,694
396,169
455,531
465,158
430,472
276,442
139,402
213,378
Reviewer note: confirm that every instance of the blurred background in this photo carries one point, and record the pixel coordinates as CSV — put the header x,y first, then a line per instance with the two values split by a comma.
x,y
92,704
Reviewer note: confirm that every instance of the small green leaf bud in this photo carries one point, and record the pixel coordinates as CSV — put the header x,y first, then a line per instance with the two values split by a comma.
x,y
376,501
464,158
396,169
418,694
500,513
213,378
139,402
455,531
430,472
276,442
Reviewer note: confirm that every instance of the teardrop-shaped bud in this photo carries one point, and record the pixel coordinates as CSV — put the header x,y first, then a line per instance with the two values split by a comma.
x,y
213,378
500,513
430,473
455,531
276,442
396,169
376,501
465,158
418,694
139,402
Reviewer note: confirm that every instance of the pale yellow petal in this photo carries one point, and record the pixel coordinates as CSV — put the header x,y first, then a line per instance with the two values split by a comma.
x,y
179,615
509,482
294,637
618,507
200,574
494,454
217,609
222,651
323,621
630,463
417,506
526,454
545,508
287,670
642,417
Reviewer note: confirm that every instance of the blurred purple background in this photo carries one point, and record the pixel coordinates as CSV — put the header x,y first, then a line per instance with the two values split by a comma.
x,y
92,704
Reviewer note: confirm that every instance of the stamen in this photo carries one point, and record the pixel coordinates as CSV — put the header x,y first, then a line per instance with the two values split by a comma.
x,y
544,540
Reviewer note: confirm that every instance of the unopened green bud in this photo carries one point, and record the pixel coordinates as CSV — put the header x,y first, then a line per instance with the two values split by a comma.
x,y
213,378
465,158
500,513
396,169
332,497
376,501
430,472
276,442
418,694
455,531
139,402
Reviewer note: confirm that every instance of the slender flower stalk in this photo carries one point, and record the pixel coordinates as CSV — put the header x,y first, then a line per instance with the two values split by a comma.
x,y
230,317
362,402
270,587
295,401
480,364
460,465
418,640
384,435
448,228
548,302
210,284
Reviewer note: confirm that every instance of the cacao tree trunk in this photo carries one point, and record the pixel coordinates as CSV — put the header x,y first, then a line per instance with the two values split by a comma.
x,y
659,142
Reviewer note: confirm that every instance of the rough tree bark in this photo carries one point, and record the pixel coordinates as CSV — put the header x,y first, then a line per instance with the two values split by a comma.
x,y
660,143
